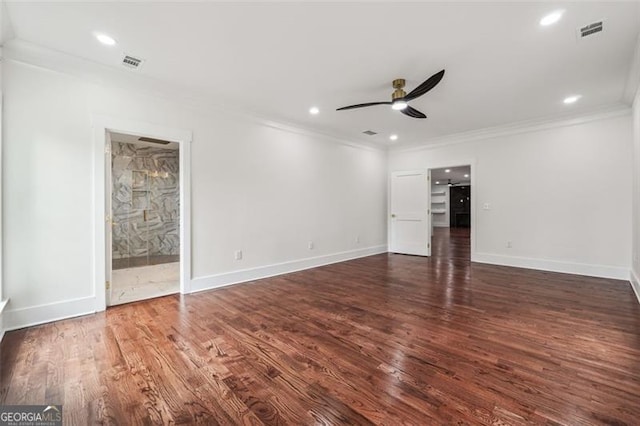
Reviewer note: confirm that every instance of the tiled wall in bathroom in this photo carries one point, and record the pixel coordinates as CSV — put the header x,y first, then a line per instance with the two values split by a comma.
x,y
145,179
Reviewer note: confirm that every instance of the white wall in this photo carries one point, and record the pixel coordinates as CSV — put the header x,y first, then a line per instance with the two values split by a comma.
x,y
2,300
635,270
255,188
268,191
561,195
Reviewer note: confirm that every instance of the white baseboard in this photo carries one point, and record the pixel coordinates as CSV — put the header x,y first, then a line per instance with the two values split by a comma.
x,y
440,225
3,303
601,271
236,277
635,283
35,315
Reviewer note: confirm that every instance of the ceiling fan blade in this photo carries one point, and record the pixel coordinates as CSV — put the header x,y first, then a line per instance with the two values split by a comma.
x,y
363,105
427,85
412,112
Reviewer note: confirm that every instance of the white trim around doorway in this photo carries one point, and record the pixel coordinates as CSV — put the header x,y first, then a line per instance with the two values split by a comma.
x,y
474,184
101,125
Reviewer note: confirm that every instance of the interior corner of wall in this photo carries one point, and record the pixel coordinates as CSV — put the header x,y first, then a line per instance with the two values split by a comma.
x,y
635,283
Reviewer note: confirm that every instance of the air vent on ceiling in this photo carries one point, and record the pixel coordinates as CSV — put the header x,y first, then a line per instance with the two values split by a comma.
x,y
590,29
132,62
369,132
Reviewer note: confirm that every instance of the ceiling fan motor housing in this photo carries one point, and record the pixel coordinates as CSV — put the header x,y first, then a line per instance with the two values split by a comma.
x,y
398,84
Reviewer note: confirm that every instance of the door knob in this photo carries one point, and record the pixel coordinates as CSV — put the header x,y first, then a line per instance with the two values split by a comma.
x,y
393,215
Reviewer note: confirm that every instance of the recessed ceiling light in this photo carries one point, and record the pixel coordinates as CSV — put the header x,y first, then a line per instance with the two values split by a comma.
x,y
393,137
571,99
105,39
551,18
437,182
466,176
447,170
314,110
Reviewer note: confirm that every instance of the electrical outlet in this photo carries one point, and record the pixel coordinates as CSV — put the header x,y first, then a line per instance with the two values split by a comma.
x,y
238,254
486,206
509,244
310,245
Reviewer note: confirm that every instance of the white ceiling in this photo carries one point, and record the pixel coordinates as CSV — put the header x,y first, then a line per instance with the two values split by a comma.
x,y
279,59
456,174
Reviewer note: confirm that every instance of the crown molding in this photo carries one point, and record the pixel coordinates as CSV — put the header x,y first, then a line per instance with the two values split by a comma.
x,y
55,61
528,126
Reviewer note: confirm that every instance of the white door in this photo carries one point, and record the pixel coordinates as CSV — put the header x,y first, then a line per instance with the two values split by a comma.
x,y
410,222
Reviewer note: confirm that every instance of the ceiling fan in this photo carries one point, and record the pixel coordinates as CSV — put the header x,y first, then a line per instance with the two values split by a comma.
x,y
449,183
399,98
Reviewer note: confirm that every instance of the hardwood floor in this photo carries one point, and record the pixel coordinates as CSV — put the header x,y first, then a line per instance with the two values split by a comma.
x,y
387,339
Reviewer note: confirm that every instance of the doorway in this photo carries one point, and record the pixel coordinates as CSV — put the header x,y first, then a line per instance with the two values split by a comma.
x,y
143,198
460,202
451,209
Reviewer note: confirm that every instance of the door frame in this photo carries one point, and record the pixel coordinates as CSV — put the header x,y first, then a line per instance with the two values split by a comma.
x,y
474,184
101,126
441,165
